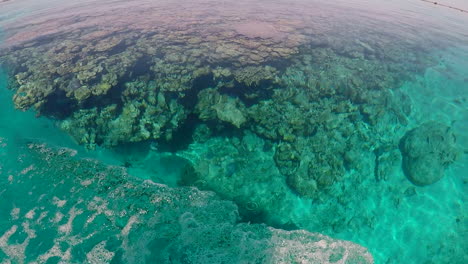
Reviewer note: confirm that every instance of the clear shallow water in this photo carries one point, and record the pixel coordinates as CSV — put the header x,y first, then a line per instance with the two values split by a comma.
x,y
396,220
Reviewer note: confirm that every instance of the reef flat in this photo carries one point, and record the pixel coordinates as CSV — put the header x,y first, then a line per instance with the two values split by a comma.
x,y
303,116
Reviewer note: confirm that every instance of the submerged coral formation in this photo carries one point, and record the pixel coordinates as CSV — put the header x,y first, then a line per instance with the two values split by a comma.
x,y
329,116
427,151
264,179
120,83
99,214
268,112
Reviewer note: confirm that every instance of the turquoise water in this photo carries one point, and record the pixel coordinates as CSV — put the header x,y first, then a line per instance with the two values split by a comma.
x,y
233,132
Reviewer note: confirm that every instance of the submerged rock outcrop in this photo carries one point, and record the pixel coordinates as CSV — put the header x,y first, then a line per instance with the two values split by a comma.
x,y
427,152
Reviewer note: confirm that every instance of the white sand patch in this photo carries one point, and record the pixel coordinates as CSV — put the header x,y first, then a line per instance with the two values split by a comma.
x,y
15,213
58,217
99,254
30,214
59,203
67,228
28,169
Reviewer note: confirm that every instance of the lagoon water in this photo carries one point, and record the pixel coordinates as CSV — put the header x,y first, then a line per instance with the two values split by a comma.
x,y
233,131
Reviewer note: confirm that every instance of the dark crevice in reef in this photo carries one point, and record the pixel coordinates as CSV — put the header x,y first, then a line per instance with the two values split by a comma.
x,y
12,84
59,106
182,137
250,94
135,150
252,216
193,129
378,152
113,96
119,48
190,98
249,211
11,69
141,67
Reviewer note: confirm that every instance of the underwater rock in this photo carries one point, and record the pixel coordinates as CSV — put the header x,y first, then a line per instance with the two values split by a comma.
x,y
386,164
287,159
323,171
427,151
201,133
322,159
279,119
254,75
228,111
214,106
99,214
82,93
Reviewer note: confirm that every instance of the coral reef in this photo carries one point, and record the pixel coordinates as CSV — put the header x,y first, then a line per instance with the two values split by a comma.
x,y
145,114
99,214
129,81
427,151
214,106
274,112
319,104
369,195
264,178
